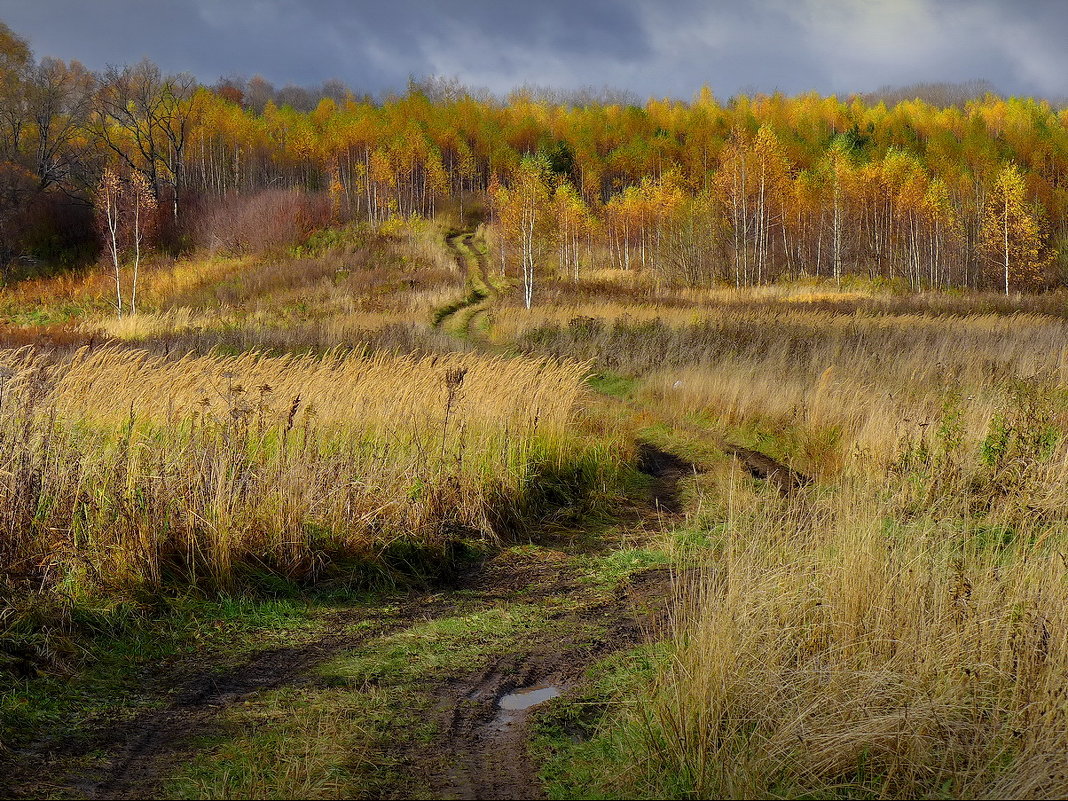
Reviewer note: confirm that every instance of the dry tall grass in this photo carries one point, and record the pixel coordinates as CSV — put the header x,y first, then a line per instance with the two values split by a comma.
x,y
118,466
852,390
874,642
899,628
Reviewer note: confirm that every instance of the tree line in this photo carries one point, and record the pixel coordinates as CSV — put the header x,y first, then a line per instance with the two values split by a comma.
x,y
752,190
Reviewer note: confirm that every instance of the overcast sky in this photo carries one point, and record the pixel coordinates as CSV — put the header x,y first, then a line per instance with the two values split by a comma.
x,y
651,47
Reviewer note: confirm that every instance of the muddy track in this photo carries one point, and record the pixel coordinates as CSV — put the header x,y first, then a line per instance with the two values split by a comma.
x,y
142,752
480,259
485,718
468,259
484,748
666,470
760,465
491,292
757,464
483,745
154,742
481,290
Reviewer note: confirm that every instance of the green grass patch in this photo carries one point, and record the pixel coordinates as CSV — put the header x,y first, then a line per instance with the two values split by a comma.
x,y
611,569
593,744
301,742
438,649
613,385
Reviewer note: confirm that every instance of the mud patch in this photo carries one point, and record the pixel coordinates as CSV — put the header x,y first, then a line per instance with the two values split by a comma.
x,y
486,716
667,471
760,465
535,573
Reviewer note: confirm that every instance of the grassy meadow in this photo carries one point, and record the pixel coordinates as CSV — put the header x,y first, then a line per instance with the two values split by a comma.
x,y
352,410
896,628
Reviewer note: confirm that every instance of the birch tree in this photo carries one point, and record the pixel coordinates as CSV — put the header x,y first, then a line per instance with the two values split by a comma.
x,y
127,221
108,211
1011,234
141,210
536,217
526,218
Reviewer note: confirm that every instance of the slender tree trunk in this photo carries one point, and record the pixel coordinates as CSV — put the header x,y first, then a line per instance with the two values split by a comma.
x,y
1006,242
837,232
137,251
113,230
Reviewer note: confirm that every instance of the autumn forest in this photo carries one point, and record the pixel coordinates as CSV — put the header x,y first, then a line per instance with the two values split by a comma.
x,y
746,191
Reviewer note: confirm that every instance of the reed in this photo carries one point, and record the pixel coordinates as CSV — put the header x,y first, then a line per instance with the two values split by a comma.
x,y
119,468
861,643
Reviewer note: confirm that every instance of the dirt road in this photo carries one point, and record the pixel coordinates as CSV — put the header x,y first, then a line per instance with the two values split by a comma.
x,y
480,718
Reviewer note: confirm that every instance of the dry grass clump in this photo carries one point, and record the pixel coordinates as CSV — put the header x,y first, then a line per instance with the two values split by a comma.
x,y
172,325
823,389
311,336
636,342
118,467
902,642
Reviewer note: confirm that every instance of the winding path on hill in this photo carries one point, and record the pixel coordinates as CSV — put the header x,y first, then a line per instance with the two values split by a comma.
x,y
480,290
480,747
468,250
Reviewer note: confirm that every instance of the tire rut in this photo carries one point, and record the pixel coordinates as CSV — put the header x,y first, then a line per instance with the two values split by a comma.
x,y
486,754
486,748
143,749
154,739
475,296
760,465
485,745
491,293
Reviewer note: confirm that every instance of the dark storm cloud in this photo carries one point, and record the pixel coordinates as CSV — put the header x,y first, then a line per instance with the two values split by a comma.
x,y
670,47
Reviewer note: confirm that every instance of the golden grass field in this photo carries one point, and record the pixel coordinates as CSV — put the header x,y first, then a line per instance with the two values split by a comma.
x,y
897,627
123,464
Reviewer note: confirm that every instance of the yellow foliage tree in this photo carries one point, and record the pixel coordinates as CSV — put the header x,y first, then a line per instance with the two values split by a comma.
x,y
525,214
1011,235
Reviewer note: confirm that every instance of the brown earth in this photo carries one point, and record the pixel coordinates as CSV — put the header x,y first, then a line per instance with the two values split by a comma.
x,y
760,465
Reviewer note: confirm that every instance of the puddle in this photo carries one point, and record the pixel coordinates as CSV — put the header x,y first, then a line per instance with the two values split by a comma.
x,y
527,697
